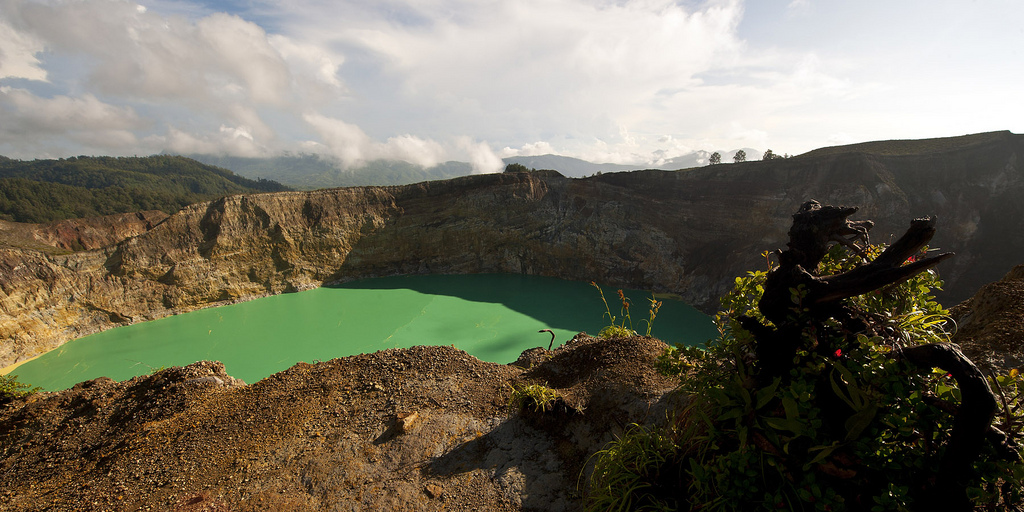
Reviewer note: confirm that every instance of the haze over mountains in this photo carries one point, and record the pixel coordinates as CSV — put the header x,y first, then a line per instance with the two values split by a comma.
x,y
311,171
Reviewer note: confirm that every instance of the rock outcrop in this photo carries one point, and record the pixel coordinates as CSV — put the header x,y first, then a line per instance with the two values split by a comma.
x,y
98,232
990,325
78,234
686,232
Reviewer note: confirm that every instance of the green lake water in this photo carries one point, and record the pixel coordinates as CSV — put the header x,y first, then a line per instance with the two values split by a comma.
x,y
492,316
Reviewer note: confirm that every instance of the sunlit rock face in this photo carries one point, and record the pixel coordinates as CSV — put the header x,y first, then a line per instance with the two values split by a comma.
x,y
688,232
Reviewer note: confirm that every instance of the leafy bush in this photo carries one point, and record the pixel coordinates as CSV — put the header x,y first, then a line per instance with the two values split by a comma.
x,y
749,445
637,472
534,397
10,388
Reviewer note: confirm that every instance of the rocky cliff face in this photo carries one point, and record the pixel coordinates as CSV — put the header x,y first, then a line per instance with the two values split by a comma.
x,y
98,232
78,234
990,325
688,232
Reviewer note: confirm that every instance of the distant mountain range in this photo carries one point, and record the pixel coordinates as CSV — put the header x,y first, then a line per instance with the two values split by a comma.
x,y
49,190
310,171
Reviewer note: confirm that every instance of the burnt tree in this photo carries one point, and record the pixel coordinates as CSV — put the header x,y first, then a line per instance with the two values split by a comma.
x,y
815,229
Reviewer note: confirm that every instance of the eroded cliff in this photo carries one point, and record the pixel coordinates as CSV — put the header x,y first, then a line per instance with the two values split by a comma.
x,y
990,325
688,232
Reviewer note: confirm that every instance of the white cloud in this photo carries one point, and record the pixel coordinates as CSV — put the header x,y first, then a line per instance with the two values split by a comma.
x,y
629,81
236,133
18,54
574,76
532,149
247,119
796,5
193,75
311,60
345,141
481,157
563,60
84,121
352,146
240,49
227,140
412,149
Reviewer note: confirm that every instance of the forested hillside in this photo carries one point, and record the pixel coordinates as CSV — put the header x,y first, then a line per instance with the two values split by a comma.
x,y
48,190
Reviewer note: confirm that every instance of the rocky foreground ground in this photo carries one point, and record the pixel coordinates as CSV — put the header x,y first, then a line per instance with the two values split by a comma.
x,y
426,428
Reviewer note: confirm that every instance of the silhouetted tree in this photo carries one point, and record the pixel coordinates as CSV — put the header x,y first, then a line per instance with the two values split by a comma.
x,y
715,158
740,156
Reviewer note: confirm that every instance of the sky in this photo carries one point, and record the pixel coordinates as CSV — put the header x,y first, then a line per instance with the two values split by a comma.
x,y
427,81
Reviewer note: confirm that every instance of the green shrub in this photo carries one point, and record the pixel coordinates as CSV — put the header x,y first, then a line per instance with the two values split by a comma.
x,y
517,167
777,446
614,330
533,397
10,388
637,471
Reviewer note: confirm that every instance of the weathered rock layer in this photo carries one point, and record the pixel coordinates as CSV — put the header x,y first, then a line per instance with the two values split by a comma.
x,y
688,232
990,325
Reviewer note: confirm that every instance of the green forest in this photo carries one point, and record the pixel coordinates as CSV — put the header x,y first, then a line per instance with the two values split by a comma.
x,y
39,191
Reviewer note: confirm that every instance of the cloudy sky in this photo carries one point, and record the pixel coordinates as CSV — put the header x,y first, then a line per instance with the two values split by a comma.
x,y
625,81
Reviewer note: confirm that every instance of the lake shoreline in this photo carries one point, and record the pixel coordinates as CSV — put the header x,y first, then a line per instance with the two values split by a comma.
x,y
14,366
492,316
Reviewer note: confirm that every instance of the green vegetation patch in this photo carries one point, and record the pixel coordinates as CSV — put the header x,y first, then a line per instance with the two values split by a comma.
x,y
533,397
10,388
855,429
621,329
49,190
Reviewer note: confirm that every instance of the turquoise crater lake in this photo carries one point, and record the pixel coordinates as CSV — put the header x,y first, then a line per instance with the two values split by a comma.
x,y
492,316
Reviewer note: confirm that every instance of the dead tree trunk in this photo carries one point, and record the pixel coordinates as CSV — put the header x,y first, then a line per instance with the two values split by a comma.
x,y
815,229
